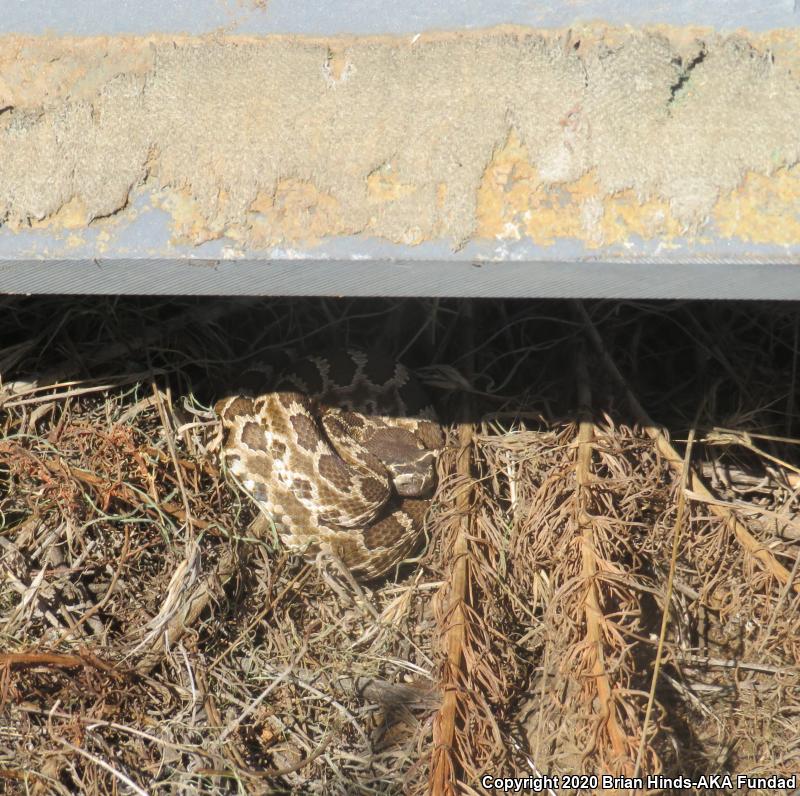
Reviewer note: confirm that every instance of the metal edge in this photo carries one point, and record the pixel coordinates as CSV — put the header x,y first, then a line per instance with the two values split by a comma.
x,y
401,278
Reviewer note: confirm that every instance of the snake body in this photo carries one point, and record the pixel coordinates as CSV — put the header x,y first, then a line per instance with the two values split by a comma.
x,y
340,454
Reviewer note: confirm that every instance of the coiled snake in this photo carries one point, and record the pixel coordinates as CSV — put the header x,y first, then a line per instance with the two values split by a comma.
x,y
342,453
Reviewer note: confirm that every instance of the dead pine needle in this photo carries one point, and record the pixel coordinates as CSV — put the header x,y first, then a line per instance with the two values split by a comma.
x,y
445,765
593,611
695,483
676,543
157,635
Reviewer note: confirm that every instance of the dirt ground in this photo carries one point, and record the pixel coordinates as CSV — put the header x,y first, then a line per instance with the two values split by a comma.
x,y
608,584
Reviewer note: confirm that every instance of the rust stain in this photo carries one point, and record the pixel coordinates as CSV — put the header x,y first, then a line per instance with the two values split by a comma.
x,y
73,214
764,209
385,185
298,210
189,225
513,203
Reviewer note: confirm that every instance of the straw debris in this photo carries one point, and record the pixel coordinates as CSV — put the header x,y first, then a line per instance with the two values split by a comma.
x,y
610,583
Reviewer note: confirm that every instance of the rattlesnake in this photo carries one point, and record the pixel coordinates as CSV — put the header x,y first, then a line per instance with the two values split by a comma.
x,y
341,455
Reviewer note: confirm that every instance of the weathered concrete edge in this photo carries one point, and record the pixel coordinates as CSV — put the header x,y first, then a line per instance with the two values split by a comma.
x,y
777,280
139,229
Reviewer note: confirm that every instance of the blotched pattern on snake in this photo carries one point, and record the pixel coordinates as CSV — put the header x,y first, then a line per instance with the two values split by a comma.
x,y
340,454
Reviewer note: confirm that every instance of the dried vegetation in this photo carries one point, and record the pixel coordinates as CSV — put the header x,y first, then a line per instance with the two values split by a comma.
x,y
611,580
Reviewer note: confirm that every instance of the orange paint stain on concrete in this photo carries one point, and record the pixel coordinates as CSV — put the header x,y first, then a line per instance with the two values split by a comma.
x,y
189,225
298,210
625,214
762,209
385,185
73,214
514,203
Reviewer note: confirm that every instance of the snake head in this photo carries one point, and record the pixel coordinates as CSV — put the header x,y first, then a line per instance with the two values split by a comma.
x,y
414,477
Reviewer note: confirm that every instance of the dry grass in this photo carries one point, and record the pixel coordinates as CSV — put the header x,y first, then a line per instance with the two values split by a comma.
x,y
156,639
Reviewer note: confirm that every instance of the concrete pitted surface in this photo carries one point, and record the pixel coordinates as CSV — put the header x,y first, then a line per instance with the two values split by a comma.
x,y
597,135
592,142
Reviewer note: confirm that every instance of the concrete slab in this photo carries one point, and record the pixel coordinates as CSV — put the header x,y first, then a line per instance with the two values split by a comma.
x,y
588,149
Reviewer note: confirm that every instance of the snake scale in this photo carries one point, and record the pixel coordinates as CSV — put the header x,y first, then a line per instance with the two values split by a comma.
x,y
341,454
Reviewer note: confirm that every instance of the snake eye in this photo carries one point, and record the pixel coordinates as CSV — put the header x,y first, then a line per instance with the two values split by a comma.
x,y
287,450
412,479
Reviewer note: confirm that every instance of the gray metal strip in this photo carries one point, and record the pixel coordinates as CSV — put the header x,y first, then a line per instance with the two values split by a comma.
x,y
509,279
326,17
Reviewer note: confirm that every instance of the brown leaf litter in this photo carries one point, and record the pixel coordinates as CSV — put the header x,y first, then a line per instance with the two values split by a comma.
x,y
598,594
